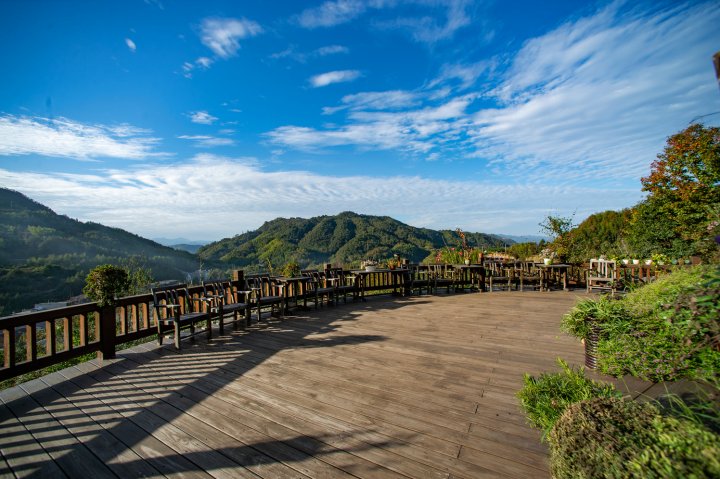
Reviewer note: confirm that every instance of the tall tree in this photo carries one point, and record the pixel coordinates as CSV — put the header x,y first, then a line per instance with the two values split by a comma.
x,y
684,187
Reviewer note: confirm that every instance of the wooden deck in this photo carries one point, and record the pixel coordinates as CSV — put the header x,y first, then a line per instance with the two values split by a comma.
x,y
419,387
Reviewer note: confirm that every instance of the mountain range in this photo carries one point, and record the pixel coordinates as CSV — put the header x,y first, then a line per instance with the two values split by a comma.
x,y
45,256
340,239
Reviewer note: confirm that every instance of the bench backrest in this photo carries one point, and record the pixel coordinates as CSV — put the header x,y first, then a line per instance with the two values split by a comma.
x,y
166,295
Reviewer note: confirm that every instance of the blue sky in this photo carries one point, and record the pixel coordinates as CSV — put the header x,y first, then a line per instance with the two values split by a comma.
x,y
204,119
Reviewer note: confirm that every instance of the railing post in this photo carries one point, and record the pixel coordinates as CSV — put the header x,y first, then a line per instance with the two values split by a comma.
x,y
107,333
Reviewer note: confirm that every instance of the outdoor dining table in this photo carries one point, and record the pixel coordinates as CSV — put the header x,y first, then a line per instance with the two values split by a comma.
x,y
550,272
472,274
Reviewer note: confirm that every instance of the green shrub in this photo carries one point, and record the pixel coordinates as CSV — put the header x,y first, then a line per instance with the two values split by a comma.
x,y
546,397
673,333
291,270
604,312
106,282
612,438
665,290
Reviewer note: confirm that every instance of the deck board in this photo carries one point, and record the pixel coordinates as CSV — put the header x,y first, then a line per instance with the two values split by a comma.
x,y
420,387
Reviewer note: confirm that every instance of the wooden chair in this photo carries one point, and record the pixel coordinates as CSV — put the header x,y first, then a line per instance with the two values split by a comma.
x,y
174,305
227,301
344,284
266,292
419,278
442,276
602,276
528,275
319,288
501,277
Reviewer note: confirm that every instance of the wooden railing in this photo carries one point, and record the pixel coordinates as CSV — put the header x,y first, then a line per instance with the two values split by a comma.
x,y
37,340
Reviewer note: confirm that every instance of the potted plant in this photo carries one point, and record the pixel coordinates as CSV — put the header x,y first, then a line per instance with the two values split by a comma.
x,y
586,320
548,255
393,262
369,265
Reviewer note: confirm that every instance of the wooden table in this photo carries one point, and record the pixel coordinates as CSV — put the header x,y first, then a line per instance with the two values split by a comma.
x,y
549,272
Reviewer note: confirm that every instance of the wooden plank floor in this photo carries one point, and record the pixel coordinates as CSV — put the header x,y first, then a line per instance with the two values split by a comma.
x,y
419,387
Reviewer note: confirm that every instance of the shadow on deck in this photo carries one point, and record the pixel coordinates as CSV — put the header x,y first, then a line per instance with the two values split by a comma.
x,y
393,387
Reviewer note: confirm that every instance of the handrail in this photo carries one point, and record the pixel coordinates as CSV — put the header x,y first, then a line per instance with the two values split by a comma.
x,y
32,341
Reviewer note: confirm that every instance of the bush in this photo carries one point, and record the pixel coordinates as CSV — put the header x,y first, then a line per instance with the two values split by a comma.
x,y
106,282
665,290
604,312
610,437
674,331
546,397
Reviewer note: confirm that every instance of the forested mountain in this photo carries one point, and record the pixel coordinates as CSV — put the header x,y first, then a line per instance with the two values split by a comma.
x,y
339,239
45,256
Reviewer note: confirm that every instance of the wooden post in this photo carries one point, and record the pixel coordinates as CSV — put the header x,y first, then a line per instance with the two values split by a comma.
x,y
107,333
239,276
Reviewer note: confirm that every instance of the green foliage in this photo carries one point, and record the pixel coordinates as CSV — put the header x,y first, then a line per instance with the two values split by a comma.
x,y
560,229
291,270
523,251
587,312
346,238
601,234
106,282
545,398
139,275
671,330
684,192
610,438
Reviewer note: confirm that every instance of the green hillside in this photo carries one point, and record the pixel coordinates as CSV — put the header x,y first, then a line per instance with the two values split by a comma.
x,y
45,256
340,239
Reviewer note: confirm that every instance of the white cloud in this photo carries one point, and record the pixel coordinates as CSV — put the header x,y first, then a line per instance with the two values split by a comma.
x,y
131,45
202,117
591,101
222,35
377,100
596,98
332,13
210,189
416,131
205,141
64,138
331,50
338,76
427,29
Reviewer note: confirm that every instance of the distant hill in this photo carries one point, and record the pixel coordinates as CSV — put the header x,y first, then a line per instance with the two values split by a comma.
x,y
524,238
339,239
190,248
172,242
46,257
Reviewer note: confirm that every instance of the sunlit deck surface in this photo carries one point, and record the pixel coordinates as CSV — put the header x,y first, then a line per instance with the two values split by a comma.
x,y
420,387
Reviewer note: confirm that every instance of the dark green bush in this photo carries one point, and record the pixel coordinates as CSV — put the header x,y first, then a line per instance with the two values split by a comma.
x,y
546,397
613,438
106,282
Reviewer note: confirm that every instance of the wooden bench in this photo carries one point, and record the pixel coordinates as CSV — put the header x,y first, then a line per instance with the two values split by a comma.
x,y
174,306
227,301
